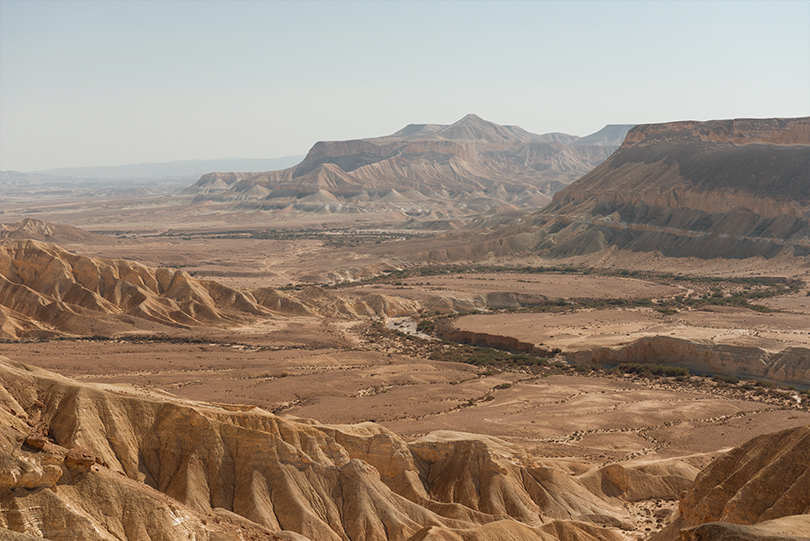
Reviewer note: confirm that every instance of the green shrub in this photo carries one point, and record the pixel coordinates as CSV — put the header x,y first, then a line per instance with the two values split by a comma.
x,y
426,326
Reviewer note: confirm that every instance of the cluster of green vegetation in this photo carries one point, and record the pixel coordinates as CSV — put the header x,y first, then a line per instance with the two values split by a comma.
x,y
480,356
334,238
725,380
746,289
653,370
426,326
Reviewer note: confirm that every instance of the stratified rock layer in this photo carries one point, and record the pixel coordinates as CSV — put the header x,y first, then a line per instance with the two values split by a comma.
x,y
104,463
724,188
46,290
470,167
764,482
790,365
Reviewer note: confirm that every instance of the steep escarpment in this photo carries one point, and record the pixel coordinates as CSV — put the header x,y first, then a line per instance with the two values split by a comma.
x,y
470,167
765,483
789,366
726,188
81,461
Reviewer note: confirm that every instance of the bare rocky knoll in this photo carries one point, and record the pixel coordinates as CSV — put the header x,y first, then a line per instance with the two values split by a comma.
x,y
432,171
30,228
758,491
82,461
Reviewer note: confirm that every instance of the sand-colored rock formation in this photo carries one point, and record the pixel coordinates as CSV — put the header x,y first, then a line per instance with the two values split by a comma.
x,y
32,229
46,291
720,189
725,188
470,167
790,365
764,482
82,461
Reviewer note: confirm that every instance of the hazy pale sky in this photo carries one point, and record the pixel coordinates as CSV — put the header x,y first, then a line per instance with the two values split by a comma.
x,y
117,82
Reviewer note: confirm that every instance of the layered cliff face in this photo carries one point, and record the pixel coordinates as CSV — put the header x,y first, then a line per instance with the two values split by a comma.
x,y
469,167
726,188
764,483
788,366
80,461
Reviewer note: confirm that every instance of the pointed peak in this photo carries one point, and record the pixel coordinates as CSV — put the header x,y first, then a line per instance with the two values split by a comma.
x,y
474,128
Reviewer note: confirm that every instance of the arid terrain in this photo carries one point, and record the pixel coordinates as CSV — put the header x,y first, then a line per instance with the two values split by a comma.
x,y
586,372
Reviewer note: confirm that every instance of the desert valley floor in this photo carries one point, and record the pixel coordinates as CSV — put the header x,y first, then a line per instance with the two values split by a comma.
x,y
350,369
626,363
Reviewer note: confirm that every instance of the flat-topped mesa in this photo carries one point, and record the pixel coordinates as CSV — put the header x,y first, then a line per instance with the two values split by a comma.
x,y
758,166
740,131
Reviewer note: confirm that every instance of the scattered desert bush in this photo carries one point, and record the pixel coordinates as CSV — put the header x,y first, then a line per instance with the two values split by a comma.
x,y
426,326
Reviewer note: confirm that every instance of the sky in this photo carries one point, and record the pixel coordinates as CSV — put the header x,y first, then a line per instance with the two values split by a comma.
x,y
111,82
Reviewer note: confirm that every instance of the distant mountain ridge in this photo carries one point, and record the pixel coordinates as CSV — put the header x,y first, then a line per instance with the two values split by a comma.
x,y
471,166
729,189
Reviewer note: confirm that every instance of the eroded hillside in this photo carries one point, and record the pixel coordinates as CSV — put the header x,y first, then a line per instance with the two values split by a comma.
x,y
81,461
430,171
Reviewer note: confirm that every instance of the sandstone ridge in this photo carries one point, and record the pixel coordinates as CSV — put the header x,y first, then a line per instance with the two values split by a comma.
x,y
764,483
48,291
96,463
32,229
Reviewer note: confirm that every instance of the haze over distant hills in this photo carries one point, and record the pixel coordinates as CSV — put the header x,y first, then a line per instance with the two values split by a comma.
x,y
470,167
133,179
178,168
